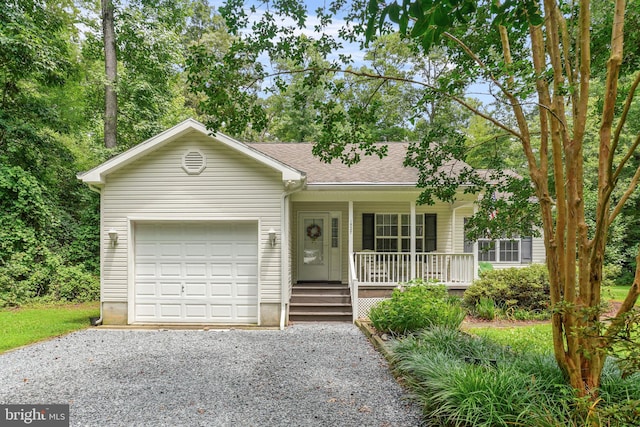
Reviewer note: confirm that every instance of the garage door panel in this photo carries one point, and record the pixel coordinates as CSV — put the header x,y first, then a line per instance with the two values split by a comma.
x,y
221,311
196,272
146,250
146,311
170,250
146,269
170,311
224,271
247,271
170,290
247,250
246,311
221,290
198,250
170,270
195,289
145,289
195,311
221,250
246,290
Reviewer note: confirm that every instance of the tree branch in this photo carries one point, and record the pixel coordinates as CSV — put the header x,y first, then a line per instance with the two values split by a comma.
x,y
457,99
630,189
623,120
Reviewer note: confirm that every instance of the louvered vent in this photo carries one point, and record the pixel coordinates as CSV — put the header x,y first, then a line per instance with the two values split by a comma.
x,y
194,162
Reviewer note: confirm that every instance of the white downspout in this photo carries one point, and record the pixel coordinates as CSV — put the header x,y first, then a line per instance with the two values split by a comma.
x,y
98,321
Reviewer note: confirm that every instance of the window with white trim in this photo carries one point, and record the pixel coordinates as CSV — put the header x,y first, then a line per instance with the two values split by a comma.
x,y
500,250
393,233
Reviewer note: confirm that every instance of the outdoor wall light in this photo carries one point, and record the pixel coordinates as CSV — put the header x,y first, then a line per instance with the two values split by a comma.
x,y
113,236
272,237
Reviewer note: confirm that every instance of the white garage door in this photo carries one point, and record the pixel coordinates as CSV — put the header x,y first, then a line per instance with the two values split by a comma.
x,y
196,273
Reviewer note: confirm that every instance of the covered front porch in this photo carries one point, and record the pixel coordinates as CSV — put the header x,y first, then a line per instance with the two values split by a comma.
x,y
373,241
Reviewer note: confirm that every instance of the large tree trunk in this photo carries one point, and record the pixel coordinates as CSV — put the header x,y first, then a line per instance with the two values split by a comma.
x,y
111,71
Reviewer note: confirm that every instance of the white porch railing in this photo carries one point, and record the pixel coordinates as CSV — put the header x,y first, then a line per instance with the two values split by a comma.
x,y
386,268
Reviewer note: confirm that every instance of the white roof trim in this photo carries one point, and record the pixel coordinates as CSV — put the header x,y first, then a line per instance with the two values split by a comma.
x,y
97,175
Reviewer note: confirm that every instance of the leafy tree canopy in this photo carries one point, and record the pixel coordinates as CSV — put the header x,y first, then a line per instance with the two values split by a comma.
x,y
537,60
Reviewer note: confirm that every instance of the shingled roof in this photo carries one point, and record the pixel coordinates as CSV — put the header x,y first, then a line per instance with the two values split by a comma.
x,y
370,170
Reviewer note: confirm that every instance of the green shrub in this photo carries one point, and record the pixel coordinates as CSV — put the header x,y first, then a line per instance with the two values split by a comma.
x,y
416,306
522,288
610,274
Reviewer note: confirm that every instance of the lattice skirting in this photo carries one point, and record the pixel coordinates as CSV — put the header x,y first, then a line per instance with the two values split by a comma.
x,y
365,304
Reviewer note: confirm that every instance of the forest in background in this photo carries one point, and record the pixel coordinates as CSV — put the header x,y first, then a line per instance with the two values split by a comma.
x,y
52,80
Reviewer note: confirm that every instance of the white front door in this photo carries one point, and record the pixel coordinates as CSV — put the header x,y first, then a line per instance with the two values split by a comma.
x,y
314,231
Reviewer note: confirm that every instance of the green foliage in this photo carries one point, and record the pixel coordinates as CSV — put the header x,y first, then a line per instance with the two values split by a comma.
x,y
624,345
414,307
461,379
512,288
485,308
41,274
484,266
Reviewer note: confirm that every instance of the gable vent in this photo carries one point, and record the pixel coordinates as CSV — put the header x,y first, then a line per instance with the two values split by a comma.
x,y
194,162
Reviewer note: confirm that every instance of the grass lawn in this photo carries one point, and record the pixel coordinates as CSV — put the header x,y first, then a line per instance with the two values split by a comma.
x,y
533,338
27,325
537,338
615,293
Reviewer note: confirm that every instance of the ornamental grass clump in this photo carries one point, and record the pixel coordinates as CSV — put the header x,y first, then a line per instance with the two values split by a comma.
x,y
466,380
414,306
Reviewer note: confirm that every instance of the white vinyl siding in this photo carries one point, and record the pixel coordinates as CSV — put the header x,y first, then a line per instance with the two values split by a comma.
x,y
232,186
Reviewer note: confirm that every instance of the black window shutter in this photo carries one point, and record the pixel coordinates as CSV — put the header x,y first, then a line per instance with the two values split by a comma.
x,y
368,232
526,249
430,232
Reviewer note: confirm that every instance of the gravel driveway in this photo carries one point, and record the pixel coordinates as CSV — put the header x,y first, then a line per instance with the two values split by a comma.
x,y
307,375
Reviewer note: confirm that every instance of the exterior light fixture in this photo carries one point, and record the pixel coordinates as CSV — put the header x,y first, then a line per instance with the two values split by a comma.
x,y
272,237
113,236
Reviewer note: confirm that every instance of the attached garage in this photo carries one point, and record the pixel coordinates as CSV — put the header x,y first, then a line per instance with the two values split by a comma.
x,y
202,272
193,231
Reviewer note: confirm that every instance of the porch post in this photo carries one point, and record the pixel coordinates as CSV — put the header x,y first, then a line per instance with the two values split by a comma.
x,y
412,233
353,281
350,245
476,265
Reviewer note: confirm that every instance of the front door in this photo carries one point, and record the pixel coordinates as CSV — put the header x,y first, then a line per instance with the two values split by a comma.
x,y
314,233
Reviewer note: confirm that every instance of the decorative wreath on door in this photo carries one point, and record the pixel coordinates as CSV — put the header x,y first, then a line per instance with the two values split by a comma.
x,y
314,231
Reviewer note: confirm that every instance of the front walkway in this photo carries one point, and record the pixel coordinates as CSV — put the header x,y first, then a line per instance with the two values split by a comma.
x,y
317,374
